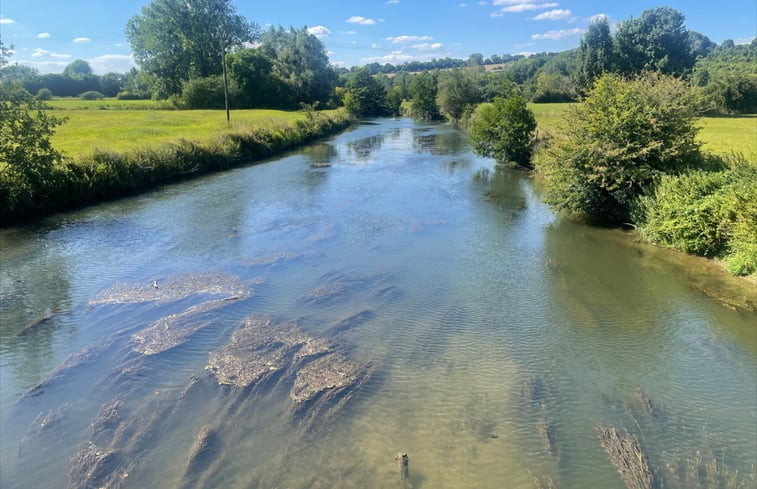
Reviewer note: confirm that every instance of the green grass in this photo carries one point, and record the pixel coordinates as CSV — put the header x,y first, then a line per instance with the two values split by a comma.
x,y
724,135
720,135
121,130
108,104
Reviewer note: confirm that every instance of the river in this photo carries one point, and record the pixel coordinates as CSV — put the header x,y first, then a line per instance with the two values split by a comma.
x,y
493,337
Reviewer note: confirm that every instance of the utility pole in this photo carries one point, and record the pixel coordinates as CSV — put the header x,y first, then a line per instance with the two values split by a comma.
x,y
225,85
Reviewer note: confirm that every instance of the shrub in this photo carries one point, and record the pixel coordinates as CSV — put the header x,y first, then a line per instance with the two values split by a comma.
x,y
625,135
91,95
44,94
204,93
503,130
712,214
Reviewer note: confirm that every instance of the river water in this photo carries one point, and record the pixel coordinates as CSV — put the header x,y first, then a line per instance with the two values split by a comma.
x,y
495,336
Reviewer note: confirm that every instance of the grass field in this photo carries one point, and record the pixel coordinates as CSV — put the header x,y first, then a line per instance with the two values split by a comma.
x,y
721,135
119,130
108,104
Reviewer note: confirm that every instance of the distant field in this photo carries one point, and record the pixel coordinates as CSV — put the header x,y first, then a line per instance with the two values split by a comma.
x,y
718,134
108,104
119,130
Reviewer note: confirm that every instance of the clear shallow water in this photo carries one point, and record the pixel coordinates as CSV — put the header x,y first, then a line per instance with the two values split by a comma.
x,y
492,297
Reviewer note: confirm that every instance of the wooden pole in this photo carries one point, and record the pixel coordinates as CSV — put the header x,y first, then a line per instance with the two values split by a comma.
x,y
225,85
403,461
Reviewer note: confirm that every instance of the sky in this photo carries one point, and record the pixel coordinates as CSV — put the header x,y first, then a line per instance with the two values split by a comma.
x,y
49,34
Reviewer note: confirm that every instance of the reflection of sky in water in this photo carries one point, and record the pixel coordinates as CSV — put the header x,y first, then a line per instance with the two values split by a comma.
x,y
472,289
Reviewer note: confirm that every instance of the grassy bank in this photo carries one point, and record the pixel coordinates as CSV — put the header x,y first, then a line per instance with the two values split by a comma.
x,y
122,130
113,153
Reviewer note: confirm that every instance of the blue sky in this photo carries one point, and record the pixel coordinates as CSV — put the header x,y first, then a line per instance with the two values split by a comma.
x,y
49,34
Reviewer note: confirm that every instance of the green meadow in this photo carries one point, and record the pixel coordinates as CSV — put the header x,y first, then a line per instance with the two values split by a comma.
x,y
121,130
718,134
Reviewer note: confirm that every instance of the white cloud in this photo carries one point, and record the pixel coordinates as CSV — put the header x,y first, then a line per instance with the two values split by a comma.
x,y
554,15
374,45
527,54
428,47
4,20
349,33
81,40
392,2
106,63
403,39
42,53
463,5
394,57
319,31
359,19
555,35
743,40
523,7
599,17
43,35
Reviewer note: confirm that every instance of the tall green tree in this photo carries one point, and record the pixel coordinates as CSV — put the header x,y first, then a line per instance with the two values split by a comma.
x,y
364,95
656,41
77,69
176,40
457,92
300,60
595,53
423,91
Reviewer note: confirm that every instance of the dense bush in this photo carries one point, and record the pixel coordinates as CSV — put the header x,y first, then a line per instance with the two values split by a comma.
x,y
625,135
44,94
27,158
91,95
204,93
503,130
713,214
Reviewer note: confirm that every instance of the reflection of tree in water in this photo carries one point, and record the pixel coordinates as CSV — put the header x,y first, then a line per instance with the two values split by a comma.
x,y
505,189
441,141
362,148
319,154
34,292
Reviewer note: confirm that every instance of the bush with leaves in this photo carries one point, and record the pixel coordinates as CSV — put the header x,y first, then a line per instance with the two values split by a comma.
x,y
27,159
91,95
626,134
504,130
44,94
712,214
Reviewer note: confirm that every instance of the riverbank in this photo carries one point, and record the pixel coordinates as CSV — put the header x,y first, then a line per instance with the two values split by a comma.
x,y
707,210
164,151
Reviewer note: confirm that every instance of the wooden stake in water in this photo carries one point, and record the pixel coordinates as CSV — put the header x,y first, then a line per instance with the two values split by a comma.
x,y
403,461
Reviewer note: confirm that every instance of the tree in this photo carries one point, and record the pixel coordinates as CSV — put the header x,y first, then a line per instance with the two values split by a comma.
x,y
456,92
253,73
77,69
504,130
176,40
27,158
5,53
595,53
364,95
617,143
423,90
656,41
300,60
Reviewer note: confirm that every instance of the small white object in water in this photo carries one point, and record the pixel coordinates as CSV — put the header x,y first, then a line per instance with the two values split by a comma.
x,y
154,284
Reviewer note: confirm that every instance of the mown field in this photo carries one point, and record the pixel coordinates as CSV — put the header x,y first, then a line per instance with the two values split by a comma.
x,y
119,130
722,135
